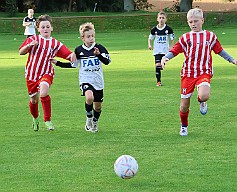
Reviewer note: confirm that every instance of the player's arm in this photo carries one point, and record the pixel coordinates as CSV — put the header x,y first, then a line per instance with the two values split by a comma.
x,y
227,57
149,41
166,58
25,23
62,64
103,55
26,46
172,37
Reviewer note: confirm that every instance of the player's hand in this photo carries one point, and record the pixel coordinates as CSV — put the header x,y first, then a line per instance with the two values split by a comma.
x,y
163,62
234,62
72,57
150,47
96,51
52,60
33,43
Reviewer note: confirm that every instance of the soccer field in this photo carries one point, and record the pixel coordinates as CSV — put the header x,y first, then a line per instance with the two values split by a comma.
x,y
137,118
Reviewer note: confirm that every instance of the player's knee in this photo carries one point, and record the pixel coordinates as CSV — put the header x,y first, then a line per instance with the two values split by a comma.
x,y
204,96
34,100
89,99
98,108
43,93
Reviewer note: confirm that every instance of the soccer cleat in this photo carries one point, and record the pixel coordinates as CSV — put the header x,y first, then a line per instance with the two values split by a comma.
x,y
158,84
35,124
183,131
94,128
203,108
88,125
49,125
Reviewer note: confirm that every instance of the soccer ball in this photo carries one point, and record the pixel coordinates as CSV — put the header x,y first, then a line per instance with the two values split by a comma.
x,y
126,167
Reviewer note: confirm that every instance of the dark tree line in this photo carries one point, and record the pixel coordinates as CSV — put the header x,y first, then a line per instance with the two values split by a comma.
x,y
13,6
62,5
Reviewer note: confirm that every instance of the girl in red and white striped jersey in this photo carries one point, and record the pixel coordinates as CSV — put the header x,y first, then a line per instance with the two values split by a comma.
x,y
197,69
39,71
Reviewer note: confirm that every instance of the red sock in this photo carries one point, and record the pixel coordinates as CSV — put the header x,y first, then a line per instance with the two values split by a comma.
x,y
184,118
34,109
46,105
199,100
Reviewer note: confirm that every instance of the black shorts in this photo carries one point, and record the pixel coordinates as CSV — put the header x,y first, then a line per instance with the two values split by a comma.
x,y
158,58
98,94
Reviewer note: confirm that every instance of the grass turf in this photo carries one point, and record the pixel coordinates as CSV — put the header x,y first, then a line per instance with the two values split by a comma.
x,y
138,118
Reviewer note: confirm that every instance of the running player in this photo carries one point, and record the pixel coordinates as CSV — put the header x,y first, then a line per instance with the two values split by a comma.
x,y
197,69
39,71
90,57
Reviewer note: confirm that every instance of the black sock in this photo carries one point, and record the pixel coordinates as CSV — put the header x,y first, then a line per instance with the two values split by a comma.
x,y
88,110
158,74
96,115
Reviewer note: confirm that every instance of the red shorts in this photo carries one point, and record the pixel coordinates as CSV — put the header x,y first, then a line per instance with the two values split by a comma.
x,y
188,84
33,86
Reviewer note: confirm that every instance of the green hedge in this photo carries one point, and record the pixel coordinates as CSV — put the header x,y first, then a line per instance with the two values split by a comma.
x,y
113,23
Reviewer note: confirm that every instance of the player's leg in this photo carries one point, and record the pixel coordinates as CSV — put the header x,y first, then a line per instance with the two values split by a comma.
x,y
158,58
158,75
33,103
184,113
187,89
98,99
203,88
97,112
44,84
89,108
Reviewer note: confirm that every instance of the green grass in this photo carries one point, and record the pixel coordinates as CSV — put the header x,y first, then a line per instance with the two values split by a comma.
x,y
138,118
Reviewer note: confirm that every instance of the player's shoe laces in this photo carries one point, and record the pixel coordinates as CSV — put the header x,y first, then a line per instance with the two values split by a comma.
x,y
94,128
183,131
35,124
88,125
158,84
203,108
49,125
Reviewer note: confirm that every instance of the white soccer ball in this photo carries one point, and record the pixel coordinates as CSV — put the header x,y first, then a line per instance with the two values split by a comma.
x,y
126,166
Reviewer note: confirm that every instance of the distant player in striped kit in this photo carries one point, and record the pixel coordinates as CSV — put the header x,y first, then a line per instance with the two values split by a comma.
x,y
197,69
90,58
163,37
39,71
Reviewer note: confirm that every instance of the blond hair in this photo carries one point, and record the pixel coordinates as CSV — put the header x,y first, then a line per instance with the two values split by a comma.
x,y
86,27
196,12
162,13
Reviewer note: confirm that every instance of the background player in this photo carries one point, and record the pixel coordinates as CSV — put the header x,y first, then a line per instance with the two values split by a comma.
x,y
161,34
29,22
197,69
90,57
39,71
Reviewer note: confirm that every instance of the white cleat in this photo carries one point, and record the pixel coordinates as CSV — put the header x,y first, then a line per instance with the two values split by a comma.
x,y
94,128
88,125
183,131
203,108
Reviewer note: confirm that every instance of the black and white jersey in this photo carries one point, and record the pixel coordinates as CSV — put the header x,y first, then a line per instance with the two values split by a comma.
x,y
30,30
161,38
90,65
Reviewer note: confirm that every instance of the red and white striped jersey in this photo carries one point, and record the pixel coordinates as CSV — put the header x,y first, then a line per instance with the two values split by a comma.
x,y
197,48
38,63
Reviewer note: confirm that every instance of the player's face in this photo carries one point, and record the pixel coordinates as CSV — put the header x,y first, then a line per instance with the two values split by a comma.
x,y
30,12
45,29
195,23
161,19
89,37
